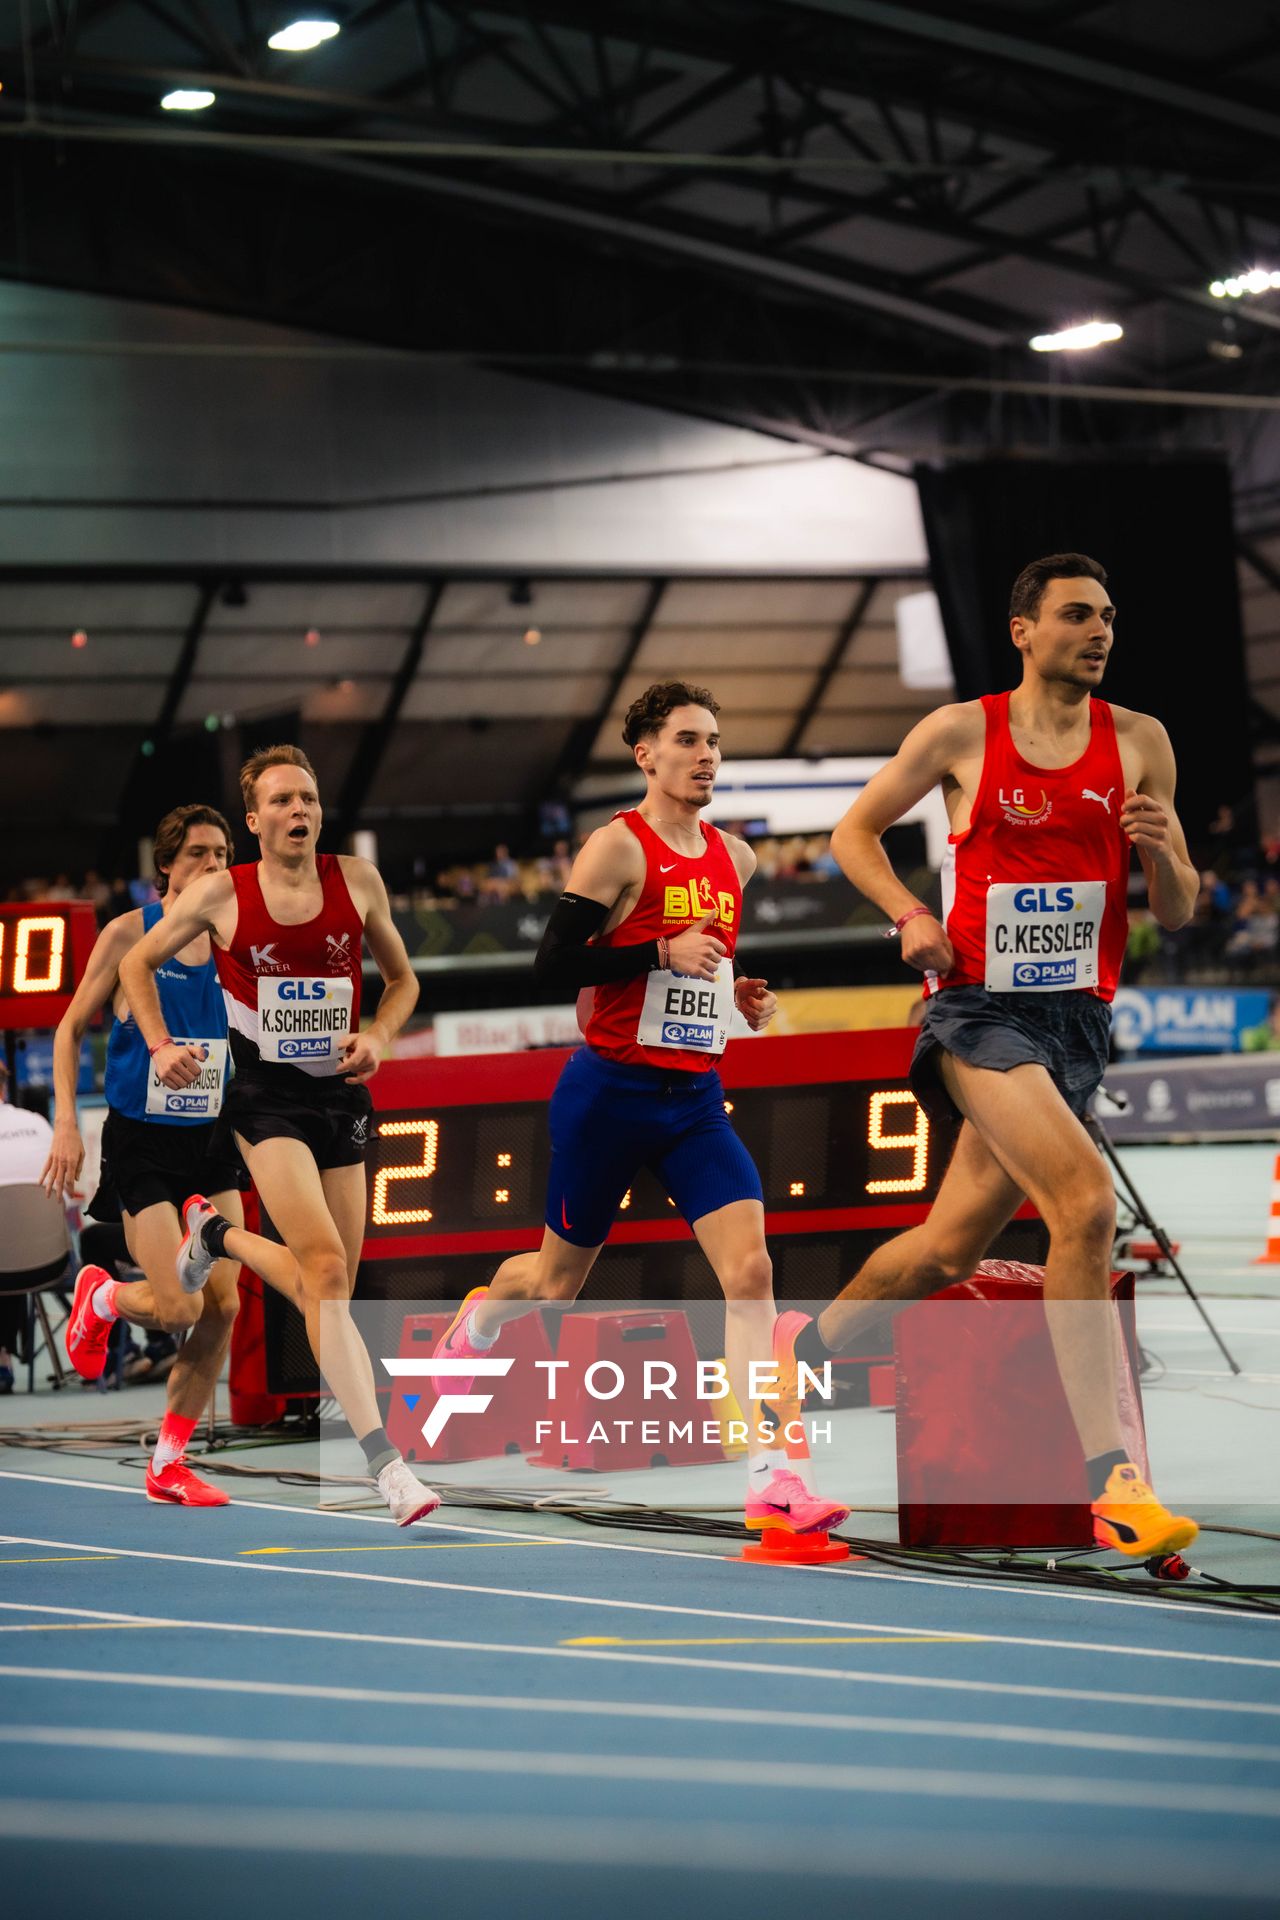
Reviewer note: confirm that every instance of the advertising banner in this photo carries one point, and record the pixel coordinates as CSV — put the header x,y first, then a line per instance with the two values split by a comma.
x,y
1187,1019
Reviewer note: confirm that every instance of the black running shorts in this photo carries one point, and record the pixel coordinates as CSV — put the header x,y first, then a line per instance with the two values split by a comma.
x,y
1067,1033
331,1117
145,1163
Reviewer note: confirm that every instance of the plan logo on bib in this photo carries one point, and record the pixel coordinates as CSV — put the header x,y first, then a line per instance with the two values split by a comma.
x,y
1026,806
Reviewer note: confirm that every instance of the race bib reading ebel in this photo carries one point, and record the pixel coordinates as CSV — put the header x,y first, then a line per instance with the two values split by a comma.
x,y
683,1011
202,1100
1045,937
303,1022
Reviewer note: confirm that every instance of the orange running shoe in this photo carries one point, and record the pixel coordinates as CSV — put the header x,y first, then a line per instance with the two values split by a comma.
x,y
1129,1518
87,1331
181,1488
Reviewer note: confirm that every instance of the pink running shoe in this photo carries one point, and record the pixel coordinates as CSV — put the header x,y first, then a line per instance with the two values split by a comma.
x,y
456,1346
785,1329
87,1332
787,1502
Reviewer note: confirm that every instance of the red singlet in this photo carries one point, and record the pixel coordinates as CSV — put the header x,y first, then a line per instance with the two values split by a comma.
x,y
1034,890
292,993
678,891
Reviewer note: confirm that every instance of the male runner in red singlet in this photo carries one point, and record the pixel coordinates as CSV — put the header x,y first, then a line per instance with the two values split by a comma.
x,y
649,923
1047,789
287,933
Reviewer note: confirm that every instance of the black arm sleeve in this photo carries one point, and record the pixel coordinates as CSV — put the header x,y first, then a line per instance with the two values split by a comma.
x,y
565,960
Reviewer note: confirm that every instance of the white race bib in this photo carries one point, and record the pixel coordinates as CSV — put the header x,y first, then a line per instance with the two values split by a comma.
x,y
202,1100
682,1011
1045,937
303,1022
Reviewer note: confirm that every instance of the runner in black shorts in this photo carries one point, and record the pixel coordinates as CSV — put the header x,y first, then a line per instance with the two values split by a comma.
x,y
287,934
1048,789
156,1146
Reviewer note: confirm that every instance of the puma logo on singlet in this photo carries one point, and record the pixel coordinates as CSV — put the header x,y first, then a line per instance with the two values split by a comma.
x,y
1103,800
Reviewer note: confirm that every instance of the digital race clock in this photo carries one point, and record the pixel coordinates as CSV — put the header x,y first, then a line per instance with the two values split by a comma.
x,y
44,949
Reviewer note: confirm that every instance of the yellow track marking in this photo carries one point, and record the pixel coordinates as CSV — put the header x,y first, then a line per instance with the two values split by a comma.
x,y
904,1639
409,1546
47,1559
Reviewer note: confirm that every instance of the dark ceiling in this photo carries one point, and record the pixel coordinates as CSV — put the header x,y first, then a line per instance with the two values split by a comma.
x,y
838,221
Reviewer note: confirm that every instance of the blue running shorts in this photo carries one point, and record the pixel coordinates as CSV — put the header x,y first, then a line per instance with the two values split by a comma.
x,y
608,1120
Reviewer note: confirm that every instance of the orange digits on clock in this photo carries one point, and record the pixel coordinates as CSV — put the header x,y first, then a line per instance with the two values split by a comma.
x,y
24,980
917,1140
429,1133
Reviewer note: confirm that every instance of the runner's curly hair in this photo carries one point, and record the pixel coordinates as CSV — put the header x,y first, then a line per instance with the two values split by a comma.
x,y
647,714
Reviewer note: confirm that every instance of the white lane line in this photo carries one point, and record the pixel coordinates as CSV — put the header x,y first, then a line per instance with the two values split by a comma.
x,y
858,1676
1208,1871
862,1572
987,1731
647,1606
770,1775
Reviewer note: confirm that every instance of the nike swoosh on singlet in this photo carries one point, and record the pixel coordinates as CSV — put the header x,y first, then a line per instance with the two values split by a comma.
x,y
670,869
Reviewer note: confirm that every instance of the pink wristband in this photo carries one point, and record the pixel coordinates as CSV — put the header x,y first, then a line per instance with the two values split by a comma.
x,y
898,925
152,1051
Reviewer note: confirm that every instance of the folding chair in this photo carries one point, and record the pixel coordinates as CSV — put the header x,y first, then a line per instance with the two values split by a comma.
x,y
35,1246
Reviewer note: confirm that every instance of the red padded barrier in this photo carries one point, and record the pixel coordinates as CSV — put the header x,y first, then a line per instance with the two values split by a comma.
x,y
981,1406
628,1340
507,1425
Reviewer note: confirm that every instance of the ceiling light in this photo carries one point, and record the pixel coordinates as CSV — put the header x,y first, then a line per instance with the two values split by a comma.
x,y
312,637
79,639
303,35
531,636
188,100
1256,280
1092,334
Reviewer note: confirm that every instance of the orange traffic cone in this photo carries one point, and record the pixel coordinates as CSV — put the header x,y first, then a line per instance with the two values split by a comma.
x,y
779,1547
1271,1258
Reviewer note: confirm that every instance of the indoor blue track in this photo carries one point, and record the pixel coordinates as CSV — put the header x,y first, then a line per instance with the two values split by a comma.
x,y
262,1706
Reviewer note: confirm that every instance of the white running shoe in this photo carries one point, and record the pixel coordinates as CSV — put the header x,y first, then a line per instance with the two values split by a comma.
x,y
404,1493
194,1261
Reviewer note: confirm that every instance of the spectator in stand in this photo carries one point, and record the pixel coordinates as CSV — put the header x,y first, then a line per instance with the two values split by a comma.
x,y
502,876
119,901
24,1145
95,890
553,868
1255,928
1144,944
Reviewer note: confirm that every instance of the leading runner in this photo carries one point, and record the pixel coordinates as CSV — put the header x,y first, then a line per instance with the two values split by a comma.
x,y
287,934
1047,789
648,924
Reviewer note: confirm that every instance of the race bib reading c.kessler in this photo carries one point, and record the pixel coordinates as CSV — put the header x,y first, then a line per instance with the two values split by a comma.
x,y
303,1022
1044,938
202,1100
685,1012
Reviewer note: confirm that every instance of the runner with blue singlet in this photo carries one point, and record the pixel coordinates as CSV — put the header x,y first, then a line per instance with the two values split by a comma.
x,y
156,1149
